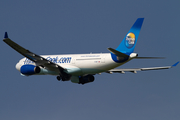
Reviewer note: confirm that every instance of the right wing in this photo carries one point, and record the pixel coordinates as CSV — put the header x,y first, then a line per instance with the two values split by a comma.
x,y
134,70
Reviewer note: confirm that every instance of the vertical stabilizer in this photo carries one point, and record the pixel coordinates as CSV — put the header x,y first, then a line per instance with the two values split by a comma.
x,y
128,44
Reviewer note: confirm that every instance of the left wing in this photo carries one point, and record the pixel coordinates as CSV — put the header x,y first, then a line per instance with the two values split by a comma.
x,y
134,70
39,60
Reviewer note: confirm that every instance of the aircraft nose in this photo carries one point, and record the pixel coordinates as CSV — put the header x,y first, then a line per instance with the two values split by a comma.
x,y
18,66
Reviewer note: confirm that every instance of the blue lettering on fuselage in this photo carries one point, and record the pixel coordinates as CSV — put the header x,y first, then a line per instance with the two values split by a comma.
x,y
54,60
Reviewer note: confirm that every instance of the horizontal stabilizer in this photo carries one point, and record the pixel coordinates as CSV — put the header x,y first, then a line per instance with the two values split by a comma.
x,y
117,53
149,57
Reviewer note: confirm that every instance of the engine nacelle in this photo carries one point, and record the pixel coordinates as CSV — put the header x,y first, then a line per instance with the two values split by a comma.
x,y
86,79
30,69
82,79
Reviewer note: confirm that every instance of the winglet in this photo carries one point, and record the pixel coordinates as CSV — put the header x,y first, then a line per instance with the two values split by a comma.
x,y
175,64
6,35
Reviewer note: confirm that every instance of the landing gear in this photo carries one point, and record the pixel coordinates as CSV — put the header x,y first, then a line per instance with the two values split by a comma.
x,y
58,78
63,75
63,78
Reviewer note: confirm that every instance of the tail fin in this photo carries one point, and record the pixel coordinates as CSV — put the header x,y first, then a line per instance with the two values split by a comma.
x,y
128,44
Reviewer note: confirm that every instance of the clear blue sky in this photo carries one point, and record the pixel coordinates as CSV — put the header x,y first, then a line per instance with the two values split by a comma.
x,y
84,26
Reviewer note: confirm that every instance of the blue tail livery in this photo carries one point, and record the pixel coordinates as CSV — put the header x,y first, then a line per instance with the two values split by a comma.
x,y
128,44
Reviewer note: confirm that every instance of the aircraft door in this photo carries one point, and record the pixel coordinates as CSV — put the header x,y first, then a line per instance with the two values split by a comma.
x,y
103,59
74,60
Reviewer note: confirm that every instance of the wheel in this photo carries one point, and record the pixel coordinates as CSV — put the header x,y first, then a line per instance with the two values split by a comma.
x,y
58,78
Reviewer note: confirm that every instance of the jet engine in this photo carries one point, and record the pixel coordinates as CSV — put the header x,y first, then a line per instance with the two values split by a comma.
x,y
82,79
30,69
86,79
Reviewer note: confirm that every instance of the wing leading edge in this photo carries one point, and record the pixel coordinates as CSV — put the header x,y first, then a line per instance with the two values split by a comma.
x,y
134,70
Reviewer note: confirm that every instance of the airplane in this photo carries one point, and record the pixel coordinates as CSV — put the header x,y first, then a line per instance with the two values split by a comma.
x,y
81,68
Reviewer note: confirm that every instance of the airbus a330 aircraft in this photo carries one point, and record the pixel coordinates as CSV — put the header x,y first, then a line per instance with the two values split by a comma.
x,y
81,68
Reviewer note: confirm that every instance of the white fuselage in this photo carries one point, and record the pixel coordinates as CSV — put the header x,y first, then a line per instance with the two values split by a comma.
x,y
77,64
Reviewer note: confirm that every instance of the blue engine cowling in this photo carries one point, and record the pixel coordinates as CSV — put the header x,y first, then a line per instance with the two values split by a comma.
x,y
29,69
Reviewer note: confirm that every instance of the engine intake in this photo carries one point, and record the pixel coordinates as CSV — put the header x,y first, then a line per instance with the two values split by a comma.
x,y
30,69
